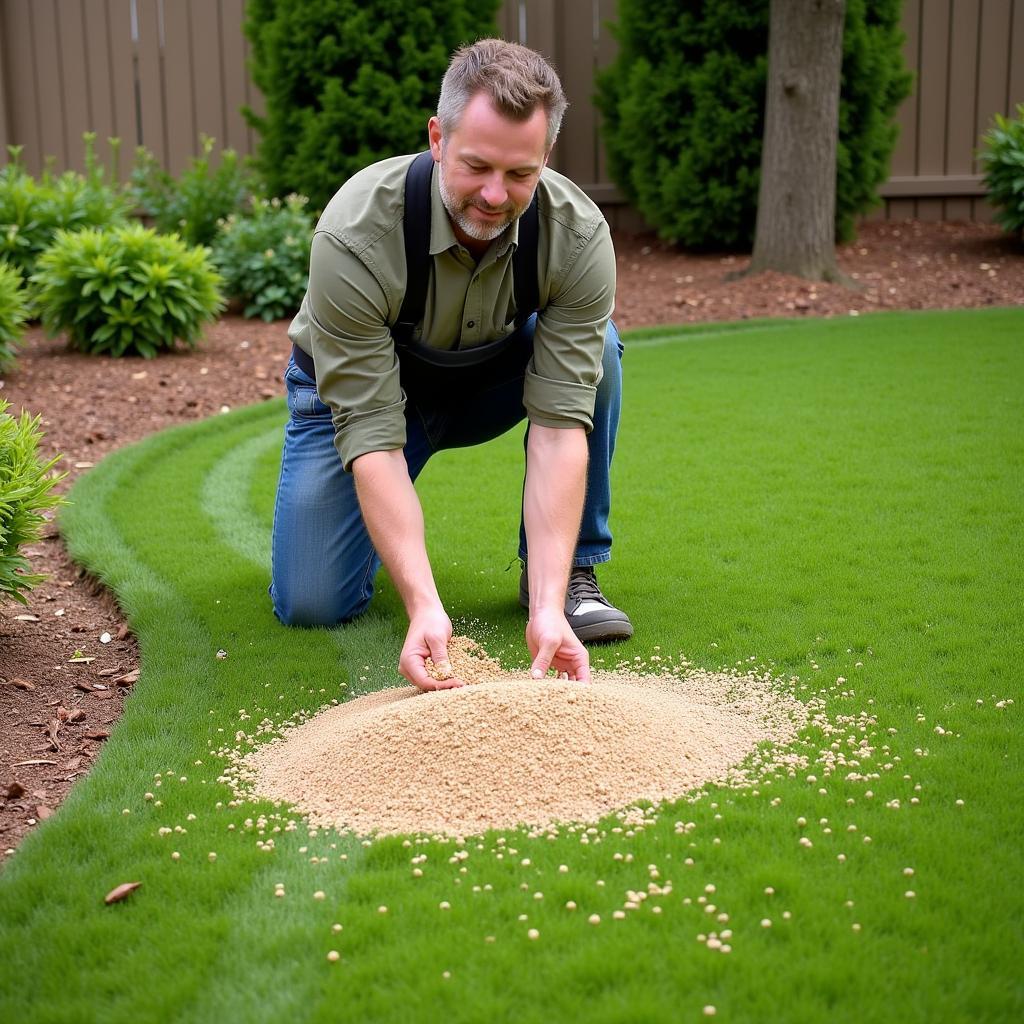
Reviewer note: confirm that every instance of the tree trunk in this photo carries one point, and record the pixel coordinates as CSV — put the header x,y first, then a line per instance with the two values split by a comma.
x,y
796,206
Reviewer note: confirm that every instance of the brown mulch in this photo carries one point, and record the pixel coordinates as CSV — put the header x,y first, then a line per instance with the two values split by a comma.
x,y
55,714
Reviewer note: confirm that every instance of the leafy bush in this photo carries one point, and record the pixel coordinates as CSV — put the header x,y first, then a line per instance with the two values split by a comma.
x,y
25,485
683,111
348,82
13,313
264,257
193,204
1003,161
126,290
32,211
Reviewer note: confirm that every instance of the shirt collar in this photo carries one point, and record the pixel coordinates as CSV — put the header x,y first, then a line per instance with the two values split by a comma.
x,y
442,235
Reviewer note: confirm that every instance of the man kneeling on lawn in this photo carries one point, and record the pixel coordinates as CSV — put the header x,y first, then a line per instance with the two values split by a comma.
x,y
452,295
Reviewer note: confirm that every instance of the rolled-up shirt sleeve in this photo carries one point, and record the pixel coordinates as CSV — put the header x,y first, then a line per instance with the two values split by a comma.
x,y
348,336
562,378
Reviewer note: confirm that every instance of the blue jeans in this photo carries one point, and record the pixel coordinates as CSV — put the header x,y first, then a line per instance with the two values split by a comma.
x,y
323,562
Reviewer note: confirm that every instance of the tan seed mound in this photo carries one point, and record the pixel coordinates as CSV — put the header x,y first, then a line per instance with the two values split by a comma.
x,y
513,751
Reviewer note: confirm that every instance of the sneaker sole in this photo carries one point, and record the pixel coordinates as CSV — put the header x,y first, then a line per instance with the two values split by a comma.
x,y
608,631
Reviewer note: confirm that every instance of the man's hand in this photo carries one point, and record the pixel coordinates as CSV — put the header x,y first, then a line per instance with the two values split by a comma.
x,y
428,636
553,644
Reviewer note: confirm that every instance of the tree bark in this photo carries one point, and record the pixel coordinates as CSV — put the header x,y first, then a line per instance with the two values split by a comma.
x,y
796,207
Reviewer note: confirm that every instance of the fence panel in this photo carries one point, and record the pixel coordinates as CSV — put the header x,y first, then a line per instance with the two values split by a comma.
x,y
161,72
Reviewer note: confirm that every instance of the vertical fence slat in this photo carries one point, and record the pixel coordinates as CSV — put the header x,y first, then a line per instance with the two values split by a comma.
x,y
99,69
150,76
993,57
47,68
508,21
253,99
574,61
235,74
207,71
1016,43
182,139
118,26
934,64
961,136
74,79
904,157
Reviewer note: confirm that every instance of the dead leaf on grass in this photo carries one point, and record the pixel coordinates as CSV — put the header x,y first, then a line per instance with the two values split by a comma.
x,y
119,893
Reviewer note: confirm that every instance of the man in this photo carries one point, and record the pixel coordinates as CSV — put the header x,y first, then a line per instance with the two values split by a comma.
x,y
466,368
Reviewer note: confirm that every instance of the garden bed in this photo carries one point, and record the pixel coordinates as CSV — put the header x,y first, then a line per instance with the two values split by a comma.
x,y
90,406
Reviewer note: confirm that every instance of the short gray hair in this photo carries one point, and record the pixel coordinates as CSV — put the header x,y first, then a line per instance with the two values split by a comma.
x,y
515,78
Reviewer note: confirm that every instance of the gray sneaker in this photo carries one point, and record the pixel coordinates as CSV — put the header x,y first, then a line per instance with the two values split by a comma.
x,y
593,618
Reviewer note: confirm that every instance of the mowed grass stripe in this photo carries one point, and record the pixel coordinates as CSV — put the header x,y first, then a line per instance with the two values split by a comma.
x,y
769,501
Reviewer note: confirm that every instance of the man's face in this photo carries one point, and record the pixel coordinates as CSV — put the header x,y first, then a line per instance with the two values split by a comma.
x,y
488,169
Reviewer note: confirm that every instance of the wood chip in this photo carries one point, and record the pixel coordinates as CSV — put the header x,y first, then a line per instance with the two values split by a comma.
x,y
38,760
81,659
105,673
81,684
99,734
26,618
78,715
128,679
15,789
22,684
120,892
43,812
123,631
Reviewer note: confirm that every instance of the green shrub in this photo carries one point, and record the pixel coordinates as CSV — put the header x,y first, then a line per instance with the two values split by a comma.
x,y
25,486
348,82
193,204
126,290
32,211
1003,161
683,112
13,313
264,257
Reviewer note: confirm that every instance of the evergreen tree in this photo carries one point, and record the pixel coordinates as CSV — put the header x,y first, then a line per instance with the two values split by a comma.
x,y
683,109
348,82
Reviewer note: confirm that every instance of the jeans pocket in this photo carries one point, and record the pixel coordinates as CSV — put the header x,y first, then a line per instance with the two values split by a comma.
x,y
303,400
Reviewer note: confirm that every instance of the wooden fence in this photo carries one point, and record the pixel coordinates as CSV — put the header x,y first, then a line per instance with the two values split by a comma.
x,y
160,72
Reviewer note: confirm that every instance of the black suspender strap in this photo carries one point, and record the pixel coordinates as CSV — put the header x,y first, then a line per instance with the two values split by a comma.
x,y
416,226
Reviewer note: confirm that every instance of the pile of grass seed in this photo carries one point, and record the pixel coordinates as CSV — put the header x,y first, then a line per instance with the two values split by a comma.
x,y
507,751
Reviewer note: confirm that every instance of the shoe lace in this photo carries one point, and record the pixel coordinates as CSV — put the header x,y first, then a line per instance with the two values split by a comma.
x,y
583,584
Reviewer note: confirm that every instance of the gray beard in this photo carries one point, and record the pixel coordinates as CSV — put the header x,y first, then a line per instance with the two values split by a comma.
x,y
481,232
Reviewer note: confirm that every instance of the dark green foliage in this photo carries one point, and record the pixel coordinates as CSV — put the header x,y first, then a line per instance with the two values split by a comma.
x,y
1003,161
348,82
13,313
25,485
683,109
264,257
194,204
31,211
127,290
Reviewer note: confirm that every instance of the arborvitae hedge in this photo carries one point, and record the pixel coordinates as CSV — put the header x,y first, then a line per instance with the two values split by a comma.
x,y
683,109
348,82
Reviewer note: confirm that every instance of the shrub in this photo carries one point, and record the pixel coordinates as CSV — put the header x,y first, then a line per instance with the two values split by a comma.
x,y
13,313
193,204
1003,161
264,257
126,290
683,112
32,211
25,485
348,82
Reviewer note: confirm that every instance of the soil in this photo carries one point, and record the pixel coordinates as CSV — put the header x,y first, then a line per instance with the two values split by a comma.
x,y
56,713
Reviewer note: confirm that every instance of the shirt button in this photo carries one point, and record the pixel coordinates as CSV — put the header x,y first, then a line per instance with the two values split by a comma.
x,y
471,323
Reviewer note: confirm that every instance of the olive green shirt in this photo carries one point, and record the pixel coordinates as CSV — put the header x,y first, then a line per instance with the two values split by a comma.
x,y
357,282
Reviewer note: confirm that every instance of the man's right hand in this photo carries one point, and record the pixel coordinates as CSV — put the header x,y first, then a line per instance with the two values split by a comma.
x,y
428,636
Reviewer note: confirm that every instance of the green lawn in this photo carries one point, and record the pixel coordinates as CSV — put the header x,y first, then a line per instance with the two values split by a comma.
x,y
838,498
